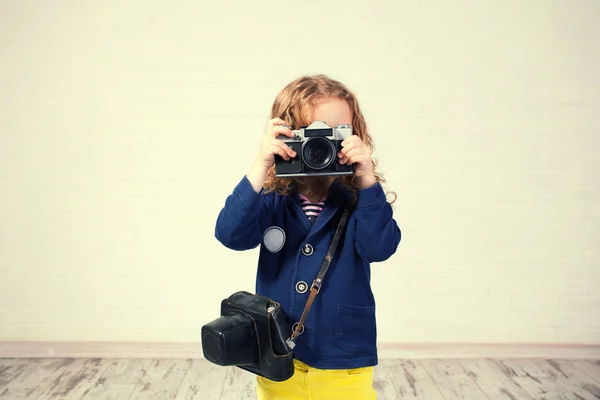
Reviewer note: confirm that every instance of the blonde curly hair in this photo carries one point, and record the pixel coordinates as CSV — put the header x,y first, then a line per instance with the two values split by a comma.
x,y
293,104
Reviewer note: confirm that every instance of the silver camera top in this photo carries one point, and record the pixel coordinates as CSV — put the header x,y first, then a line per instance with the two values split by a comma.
x,y
319,129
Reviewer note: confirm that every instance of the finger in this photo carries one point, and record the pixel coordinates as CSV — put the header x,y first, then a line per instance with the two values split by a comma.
x,y
350,146
283,131
351,139
344,151
352,153
280,151
291,152
285,147
357,158
276,121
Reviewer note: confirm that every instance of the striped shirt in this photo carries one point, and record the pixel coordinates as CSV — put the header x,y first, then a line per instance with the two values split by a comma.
x,y
312,210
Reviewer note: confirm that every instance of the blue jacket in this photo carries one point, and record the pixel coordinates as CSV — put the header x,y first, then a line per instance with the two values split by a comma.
x,y
340,330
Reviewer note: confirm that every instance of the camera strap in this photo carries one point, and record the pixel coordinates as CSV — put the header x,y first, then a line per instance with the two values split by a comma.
x,y
318,282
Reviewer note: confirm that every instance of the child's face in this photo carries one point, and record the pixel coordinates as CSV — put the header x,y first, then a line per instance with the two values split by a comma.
x,y
333,111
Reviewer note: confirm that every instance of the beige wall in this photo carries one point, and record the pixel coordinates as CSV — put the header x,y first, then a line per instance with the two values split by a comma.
x,y
124,126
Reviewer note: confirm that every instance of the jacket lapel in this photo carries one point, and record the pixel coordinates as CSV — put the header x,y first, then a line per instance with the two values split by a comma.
x,y
296,206
336,202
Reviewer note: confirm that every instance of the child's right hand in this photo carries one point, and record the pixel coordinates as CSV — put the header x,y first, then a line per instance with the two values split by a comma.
x,y
266,155
271,146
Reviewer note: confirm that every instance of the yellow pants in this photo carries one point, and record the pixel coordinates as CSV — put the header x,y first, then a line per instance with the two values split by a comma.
x,y
318,384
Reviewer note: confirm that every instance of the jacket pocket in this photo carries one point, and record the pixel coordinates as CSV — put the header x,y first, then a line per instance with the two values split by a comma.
x,y
355,328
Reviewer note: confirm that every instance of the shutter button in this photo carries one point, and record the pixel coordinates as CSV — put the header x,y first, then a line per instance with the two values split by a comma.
x,y
301,287
307,250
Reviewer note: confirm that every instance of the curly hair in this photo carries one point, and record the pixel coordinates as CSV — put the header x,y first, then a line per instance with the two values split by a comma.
x,y
293,105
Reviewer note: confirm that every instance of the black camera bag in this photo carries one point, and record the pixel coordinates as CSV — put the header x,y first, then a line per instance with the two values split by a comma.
x,y
252,332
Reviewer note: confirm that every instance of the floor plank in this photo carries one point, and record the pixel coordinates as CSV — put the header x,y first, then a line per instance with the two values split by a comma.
x,y
203,381
194,379
77,379
10,369
451,380
492,380
539,384
239,385
35,379
573,379
411,381
162,380
382,384
119,379
237,395
589,367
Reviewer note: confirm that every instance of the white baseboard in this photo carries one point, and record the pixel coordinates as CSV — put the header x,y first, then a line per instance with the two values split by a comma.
x,y
28,349
65,349
490,350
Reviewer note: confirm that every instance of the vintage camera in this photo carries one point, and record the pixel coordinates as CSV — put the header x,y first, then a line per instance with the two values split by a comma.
x,y
316,147
250,334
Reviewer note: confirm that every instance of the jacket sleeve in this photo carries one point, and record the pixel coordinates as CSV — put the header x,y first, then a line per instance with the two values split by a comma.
x,y
377,234
244,217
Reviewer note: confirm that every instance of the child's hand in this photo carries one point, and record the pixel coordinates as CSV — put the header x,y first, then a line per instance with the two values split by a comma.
x,y
354,150
271,146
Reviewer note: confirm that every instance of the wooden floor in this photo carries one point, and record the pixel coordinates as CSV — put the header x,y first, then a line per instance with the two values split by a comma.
x,y
186,379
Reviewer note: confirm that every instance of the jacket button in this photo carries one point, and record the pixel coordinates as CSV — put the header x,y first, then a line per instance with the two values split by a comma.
x,y
307,250
301,287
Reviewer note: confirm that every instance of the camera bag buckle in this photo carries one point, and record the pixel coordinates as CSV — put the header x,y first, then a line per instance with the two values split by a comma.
x,y
316,285
291,344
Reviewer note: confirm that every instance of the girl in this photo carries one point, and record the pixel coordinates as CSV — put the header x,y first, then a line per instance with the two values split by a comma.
x,y
294,220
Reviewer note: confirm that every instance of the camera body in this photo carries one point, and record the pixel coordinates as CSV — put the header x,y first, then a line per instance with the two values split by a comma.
x,y
316,147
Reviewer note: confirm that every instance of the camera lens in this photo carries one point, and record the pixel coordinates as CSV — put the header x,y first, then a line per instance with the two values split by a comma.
x,y
318,153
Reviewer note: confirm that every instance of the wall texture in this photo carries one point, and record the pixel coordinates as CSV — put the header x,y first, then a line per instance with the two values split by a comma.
x,y
124,126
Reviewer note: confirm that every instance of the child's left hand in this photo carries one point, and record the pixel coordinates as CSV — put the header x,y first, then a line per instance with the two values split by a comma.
x,y
354,150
